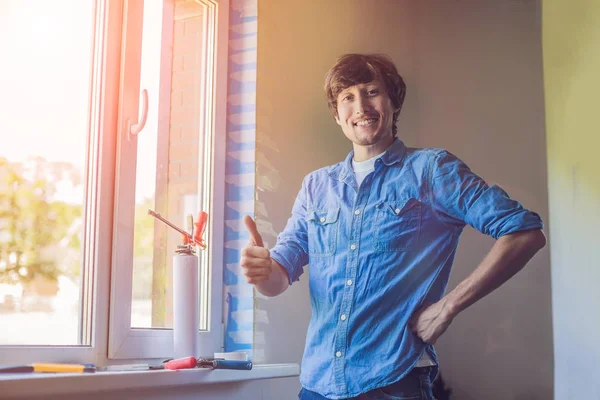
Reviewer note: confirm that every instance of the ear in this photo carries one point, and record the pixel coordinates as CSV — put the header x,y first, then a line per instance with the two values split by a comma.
x,y
336,116
397,109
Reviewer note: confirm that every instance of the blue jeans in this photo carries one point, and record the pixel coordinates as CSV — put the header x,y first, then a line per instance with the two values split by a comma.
x,y
416,385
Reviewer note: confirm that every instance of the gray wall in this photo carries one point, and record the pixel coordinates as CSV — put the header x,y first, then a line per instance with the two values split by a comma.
x,y
480,95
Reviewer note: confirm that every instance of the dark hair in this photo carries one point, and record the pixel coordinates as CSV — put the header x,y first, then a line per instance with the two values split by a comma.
x,y
354,69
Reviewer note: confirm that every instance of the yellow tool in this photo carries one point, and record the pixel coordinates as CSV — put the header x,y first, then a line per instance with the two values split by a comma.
x,y
44,367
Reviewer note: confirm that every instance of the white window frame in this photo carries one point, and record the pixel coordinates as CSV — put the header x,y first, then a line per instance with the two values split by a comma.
x,y
107,269
126,342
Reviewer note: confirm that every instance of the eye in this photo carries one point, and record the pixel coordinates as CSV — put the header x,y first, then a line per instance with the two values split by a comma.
x,y
347,97
373,92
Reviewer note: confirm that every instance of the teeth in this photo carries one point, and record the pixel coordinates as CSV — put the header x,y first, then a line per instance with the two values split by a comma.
x,y
366,122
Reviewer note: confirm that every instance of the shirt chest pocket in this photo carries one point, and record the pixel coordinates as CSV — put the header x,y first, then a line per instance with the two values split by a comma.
x,y
397,225
322,231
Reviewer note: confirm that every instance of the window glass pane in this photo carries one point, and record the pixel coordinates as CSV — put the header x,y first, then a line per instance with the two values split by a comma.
x,y
169,161
44,109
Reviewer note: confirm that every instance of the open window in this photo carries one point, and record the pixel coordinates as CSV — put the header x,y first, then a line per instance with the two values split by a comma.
x,y
84,270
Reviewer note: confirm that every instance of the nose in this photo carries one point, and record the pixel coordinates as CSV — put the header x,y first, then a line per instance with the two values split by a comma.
x,y
362,104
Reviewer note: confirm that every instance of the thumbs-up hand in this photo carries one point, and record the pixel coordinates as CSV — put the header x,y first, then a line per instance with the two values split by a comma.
x,y
256,260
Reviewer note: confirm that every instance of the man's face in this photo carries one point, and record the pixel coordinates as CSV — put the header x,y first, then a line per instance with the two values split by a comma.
x,y
365,113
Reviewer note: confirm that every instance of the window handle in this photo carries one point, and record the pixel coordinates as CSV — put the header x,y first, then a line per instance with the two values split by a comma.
x,y
134,129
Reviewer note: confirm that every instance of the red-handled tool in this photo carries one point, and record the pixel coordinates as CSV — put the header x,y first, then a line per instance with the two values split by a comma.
x,y
192,239
191,362
181,363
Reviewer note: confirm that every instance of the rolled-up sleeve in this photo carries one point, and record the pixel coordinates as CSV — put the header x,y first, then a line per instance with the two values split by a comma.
x,y
460,196
291,249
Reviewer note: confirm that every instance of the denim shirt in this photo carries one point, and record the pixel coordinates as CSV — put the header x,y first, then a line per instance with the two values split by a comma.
x,y
377,253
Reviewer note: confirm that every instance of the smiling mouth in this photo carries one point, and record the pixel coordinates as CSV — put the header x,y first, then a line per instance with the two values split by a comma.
x,y
366,122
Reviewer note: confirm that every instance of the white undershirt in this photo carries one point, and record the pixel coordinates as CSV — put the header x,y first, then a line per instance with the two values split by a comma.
x,y
364,168
361,170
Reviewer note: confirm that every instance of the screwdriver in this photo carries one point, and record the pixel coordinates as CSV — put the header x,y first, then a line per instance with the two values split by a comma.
x,y
44,367
192,362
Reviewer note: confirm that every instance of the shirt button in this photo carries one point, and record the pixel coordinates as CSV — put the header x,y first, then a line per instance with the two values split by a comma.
x,y
338,354
397,211
349,282
352,246
323,218
343,317
357,212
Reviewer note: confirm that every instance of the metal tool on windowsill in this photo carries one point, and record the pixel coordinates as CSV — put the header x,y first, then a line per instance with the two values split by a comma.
x,y
192,238
208,362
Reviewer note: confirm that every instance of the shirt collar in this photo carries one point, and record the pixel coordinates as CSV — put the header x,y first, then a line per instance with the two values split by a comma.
x,y
394,154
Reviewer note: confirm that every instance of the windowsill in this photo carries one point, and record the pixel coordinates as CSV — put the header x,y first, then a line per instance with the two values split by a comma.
x,y
42,384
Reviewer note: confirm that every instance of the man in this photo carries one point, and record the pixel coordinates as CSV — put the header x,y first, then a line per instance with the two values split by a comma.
x,y
380,231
